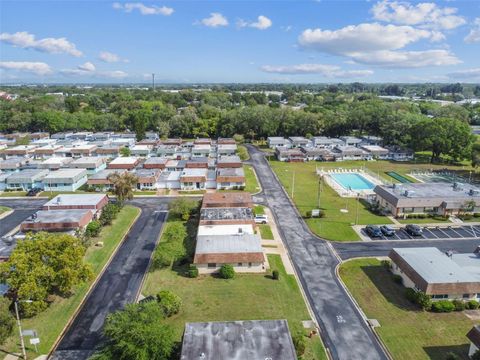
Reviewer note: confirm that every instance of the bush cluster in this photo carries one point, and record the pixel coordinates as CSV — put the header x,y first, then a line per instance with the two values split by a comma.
x,y
443,306
275,275
93,229
192,271
397,279
419,298
169,302
171,247
109,213
227,271
426,216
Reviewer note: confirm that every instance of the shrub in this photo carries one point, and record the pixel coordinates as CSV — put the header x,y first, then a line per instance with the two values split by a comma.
x,y
227,271
7,323
386,264
275,275
411,295
182,208
443,306
476,215
459,305
160,260
93,229
169,302
192,271
472,305
109,213
398,279
308,214
424,300
300,344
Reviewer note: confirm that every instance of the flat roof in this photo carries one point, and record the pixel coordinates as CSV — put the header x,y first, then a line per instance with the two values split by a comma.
x,y
227,213
435,267
225,229
103,174
75,200
66,173
58,216
27,175
231,171
227,198
238,340
128,160
194,172
228,244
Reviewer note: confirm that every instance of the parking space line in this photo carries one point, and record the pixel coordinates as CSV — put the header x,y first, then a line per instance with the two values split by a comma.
x,y
456,232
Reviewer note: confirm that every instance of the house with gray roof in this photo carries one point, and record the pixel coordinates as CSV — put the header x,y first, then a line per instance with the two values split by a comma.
x,y
65,180
434,198
26,179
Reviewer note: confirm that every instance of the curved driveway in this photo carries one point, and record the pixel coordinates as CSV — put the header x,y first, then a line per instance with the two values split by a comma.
x,y
344,332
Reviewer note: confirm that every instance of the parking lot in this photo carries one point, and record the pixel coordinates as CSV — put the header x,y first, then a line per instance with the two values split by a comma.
x,y
432,233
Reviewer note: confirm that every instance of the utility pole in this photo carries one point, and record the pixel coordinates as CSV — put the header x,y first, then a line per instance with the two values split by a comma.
x,y
24,353
153,81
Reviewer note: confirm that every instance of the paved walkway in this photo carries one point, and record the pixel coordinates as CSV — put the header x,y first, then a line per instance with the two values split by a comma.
x,y
344,331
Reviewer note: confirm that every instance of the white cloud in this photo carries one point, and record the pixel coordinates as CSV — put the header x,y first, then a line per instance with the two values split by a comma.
x,y
26,40
37,68
88,69
215,20
374,44
474,34
109,57
262,23
406,59
362,37
329,71
143,9
467,74
427,14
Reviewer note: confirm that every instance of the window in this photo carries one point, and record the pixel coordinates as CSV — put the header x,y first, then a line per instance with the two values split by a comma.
x,y
239,264
249,264
440,296
212,265
466,296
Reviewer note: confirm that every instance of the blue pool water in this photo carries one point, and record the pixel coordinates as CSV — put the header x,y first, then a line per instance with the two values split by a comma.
x,y
352,181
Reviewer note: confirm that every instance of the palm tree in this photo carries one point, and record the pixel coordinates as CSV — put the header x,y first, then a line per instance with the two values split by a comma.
x,y
123,185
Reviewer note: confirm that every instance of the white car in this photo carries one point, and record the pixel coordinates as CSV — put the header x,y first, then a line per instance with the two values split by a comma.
x,y
261,219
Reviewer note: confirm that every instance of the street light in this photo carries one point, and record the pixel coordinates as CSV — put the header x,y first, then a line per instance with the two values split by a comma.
x,y
24,352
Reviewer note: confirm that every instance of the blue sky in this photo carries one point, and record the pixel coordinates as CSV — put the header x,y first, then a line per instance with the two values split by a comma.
x,y
239,41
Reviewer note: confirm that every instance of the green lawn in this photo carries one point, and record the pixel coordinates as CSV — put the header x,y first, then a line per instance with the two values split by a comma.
x,y
408,332
4,209
251,183
265,232
259,210
336,225
243,152
13,193
51,322
247,297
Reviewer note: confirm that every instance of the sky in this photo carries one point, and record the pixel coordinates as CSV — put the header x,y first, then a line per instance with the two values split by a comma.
x,y
316,41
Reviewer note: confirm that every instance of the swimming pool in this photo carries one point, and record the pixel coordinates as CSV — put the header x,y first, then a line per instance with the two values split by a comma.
x,y
352,181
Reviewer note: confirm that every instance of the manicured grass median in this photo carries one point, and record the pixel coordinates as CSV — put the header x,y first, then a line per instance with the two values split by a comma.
x,y
336,225
246,297
251,185
408,332
13,193
4,209
265,232
51,322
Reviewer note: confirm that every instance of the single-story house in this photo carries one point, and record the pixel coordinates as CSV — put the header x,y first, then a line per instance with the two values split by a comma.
x,y
123,141
298,141
227,200
318,154
193,179
371,140
155,163
92,202
434,198
232,161
226,216
252,339
376,151
441,275
230,178
350,153
292,155
26,179
126,163
175,165
172,141
243,251
225,229
351,140
19,150
226,149
141,150
275,141
169,180
92,164
45,152
110,152
55,163
83,150
168,151
223,141
201,150
13,163
202,141
65,180
326,142
147,178
101,180
400,154
57,220
197,163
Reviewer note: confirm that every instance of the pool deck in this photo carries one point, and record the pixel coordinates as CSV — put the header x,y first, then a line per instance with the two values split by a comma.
x,y
341,190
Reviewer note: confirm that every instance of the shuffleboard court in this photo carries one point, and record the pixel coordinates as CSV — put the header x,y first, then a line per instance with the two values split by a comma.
x,y
398,177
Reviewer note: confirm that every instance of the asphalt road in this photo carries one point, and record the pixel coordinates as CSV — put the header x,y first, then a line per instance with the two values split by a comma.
x,y
348,250
118,285
344,331
22,209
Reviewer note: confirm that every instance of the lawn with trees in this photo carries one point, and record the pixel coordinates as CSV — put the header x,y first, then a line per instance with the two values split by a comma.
x,y
50,322
406,330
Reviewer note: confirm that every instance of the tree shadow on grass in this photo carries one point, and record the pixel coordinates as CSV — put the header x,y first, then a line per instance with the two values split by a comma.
x,y
441,352
394,293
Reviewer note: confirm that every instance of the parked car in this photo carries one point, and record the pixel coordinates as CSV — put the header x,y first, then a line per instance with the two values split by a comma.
x,y
33,191
261,219
373,231
387,230
413,230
